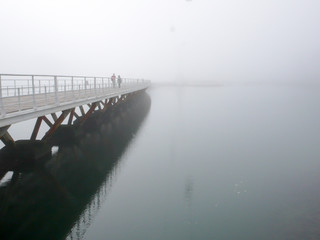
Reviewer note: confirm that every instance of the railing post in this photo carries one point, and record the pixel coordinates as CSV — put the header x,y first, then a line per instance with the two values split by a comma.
x,y
15,87
33,94
95,85
45,94
39,87
1,102
65,88
72,90
85,87
19,99
56,90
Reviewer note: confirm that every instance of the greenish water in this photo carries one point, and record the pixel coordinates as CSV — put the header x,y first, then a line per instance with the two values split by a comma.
x,y
229,162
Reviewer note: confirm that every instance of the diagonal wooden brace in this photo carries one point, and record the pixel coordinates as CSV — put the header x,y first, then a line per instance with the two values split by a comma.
x,y
107,105
54,116
5,136
71,116
47,121
82,110
90,111
36,129
57,123
7,139
3,130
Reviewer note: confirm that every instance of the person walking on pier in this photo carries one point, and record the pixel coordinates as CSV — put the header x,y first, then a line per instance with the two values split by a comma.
x,y
113,80
119,81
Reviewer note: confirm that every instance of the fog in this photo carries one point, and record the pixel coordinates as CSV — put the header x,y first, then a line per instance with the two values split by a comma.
x,y
163,40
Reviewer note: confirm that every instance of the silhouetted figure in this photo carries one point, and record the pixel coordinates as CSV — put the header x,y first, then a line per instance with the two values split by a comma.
x,y
113,80
119,81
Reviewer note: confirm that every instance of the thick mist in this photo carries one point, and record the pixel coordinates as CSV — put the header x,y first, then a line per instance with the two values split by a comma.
x,y
163,40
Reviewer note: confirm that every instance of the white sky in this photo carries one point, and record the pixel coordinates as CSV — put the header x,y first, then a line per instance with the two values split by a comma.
x,y
163,40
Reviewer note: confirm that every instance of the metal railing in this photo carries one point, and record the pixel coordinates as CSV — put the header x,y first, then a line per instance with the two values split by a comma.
x,y
20,92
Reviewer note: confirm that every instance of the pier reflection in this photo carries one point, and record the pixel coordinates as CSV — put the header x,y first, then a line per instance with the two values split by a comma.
x,y
59,199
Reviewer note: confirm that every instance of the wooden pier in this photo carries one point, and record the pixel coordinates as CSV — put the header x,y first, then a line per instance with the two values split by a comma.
x,y
24,97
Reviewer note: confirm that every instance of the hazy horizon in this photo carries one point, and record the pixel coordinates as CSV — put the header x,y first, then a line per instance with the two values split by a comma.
x,y
165,41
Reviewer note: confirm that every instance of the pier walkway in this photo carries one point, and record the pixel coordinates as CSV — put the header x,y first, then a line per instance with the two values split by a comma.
x,y
24,97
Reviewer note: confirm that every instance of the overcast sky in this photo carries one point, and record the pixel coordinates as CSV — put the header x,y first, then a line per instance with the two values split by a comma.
x,y
163,40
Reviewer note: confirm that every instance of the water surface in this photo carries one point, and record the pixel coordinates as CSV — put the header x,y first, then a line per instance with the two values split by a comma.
x,y
225,162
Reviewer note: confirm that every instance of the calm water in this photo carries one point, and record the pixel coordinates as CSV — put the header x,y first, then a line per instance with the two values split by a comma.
x,y
224,162
219,163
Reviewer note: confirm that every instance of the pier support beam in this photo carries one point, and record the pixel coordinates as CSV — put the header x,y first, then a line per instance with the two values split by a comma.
x,y
47,121
3,130
90,111
107,105
57,123
71,116
76,115
36,129
54,116
82,110
5,137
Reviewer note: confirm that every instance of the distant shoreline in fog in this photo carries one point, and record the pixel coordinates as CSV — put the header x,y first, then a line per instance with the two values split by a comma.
x,y
242,83
187,84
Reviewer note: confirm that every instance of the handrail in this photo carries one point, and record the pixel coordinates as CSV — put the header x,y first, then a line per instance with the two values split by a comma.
x,y
45,75
20,92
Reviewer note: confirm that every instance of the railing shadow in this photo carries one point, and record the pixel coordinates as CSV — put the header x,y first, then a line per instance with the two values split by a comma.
x,y
48,202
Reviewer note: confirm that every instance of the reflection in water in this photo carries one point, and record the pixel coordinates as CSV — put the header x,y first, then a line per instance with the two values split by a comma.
x,y
84,221
61,198
188,192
